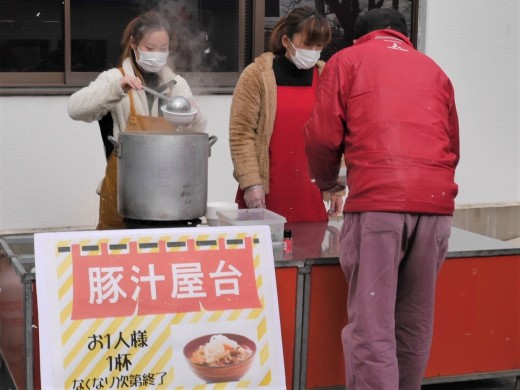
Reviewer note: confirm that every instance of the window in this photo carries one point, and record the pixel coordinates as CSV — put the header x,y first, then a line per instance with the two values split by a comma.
x,y
341,15
57,46
31,37
67,43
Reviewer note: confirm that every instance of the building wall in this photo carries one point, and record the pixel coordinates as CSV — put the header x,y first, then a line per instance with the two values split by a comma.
x,y
478,45
50,165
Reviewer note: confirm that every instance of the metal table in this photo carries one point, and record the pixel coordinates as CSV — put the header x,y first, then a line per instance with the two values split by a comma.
x,y
476,332
19,315
477,326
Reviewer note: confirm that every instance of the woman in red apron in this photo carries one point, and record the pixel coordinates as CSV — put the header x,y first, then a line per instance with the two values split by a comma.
x,y
116,99
272,101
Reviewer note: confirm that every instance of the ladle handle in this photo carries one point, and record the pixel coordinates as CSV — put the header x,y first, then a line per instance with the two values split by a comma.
x,y
117,145
155,93
211,141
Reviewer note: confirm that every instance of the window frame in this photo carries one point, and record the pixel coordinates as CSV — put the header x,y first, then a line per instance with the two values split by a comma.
x,y
67,82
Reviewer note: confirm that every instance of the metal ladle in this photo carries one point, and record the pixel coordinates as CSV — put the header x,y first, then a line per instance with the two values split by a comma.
x,y
179,104
175,104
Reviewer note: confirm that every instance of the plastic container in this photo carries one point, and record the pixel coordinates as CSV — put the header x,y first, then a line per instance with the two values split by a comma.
x,y
244,217
213,207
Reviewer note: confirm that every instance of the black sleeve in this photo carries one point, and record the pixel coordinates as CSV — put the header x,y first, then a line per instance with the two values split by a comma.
x,y
106,126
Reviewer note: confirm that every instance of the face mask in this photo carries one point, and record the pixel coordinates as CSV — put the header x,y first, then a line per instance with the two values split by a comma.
x,y
304,59
151,61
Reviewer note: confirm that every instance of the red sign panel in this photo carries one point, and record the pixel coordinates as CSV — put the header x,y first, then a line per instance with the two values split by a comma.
x,y
160,280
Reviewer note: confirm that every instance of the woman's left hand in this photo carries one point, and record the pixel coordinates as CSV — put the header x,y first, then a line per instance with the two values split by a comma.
x,y
198,121
335,205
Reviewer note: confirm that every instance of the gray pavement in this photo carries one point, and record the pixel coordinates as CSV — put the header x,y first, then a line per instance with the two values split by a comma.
x,y
484,384
5,379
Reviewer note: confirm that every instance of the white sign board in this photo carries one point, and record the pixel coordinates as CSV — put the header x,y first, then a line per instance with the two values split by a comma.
x,y
179,308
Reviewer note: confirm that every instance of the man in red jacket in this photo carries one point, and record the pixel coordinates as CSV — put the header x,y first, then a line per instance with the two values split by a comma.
x,y
390,111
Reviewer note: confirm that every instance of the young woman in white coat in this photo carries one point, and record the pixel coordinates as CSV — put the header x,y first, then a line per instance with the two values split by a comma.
x,y
117,100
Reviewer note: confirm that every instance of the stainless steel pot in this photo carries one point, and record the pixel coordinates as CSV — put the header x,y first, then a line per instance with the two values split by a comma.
x,y
162,176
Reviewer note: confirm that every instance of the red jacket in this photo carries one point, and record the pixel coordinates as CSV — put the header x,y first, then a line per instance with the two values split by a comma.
x,y
391,111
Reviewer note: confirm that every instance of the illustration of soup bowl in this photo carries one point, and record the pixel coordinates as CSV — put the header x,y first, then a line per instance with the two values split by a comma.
x,y
224,357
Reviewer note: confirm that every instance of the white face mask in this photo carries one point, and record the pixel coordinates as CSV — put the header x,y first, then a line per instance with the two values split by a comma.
x,y
304,58
151,61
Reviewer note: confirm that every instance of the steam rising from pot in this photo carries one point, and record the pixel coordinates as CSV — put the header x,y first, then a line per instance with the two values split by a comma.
x,y
192,28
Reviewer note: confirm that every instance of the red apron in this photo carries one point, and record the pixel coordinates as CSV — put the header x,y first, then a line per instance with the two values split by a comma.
x,y
291,192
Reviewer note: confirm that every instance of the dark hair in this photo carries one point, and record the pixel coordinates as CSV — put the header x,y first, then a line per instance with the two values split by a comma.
x,y
306,20
379,19
137,29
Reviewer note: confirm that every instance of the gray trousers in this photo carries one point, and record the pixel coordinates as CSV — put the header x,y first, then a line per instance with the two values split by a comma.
x,y
391,262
